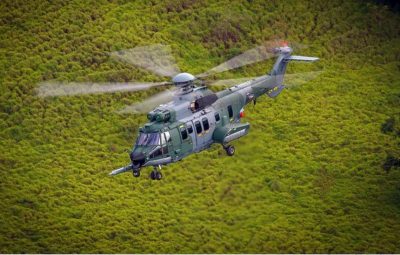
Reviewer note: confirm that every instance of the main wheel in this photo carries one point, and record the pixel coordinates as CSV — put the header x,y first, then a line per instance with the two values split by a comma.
x,y
230,150
153,175
158,176
136,173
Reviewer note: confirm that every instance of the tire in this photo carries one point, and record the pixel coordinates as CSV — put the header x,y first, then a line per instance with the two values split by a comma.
x,y
230,150
158,175
136,173
153,175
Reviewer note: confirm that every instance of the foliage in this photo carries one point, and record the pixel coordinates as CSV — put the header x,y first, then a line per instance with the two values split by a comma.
x,y
390,162
388,126
309,177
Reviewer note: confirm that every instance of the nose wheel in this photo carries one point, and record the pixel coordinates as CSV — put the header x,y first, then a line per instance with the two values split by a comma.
x,y
136,173
156,174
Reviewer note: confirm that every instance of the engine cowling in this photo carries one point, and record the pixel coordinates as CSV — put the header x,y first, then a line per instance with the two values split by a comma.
x,y
159,115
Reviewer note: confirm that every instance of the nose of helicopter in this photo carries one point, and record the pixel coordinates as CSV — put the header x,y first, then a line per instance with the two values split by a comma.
x,y
137,158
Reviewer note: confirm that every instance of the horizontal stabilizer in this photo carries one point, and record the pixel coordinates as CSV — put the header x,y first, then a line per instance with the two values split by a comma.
x,y
302,58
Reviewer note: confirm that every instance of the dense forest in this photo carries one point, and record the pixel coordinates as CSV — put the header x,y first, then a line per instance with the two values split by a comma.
x,y
319,171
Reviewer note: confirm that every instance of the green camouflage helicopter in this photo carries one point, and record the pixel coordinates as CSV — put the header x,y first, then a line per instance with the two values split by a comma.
x,y
195,117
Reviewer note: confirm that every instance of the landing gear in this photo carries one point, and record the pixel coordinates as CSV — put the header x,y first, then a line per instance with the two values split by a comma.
x,y
136,173
230,150
155,174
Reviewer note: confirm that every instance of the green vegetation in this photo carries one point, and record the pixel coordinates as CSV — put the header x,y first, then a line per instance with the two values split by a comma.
x,y
318,172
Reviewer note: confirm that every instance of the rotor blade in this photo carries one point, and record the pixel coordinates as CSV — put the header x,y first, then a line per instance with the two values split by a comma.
x,y
298,79
251,56
257,54
297,46
230,82
150,103
52,89
290,80
156,58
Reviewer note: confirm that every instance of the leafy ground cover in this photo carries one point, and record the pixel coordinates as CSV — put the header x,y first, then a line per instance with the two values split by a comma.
x,y
318,172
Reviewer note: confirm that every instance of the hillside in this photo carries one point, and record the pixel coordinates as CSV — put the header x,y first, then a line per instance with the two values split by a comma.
x,y
318,172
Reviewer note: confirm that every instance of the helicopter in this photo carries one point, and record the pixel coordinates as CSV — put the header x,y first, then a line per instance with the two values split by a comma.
x,y
190,117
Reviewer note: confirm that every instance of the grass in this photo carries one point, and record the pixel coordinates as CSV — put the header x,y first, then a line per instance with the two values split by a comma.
x,y
308,178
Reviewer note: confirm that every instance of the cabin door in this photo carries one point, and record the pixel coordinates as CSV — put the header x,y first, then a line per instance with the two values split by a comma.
x,y
191,134
203,129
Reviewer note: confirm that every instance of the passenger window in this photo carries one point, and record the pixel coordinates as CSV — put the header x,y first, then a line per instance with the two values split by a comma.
x,y
205,124
198,127
189,128
184,133
230,111
217,118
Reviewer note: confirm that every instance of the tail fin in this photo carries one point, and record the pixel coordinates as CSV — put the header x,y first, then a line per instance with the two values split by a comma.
x,y
285,55
279,69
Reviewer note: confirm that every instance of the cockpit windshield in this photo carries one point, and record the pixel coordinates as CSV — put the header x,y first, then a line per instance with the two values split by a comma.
x,y
148,139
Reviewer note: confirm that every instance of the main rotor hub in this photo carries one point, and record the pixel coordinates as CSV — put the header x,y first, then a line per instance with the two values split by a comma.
x,y
184,81
283,50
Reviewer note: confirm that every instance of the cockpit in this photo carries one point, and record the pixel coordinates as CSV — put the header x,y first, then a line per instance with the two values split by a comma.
x,y
153,144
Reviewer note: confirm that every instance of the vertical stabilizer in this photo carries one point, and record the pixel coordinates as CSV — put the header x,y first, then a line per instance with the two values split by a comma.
x,y
285,55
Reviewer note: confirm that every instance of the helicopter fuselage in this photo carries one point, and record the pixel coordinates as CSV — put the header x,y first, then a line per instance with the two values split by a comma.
x,y
192,122
198,118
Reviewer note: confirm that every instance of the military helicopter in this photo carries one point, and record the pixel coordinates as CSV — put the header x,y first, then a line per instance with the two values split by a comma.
x,y
190,117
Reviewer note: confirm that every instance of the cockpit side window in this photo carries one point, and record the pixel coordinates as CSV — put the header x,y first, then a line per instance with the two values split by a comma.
x,y
167,136
163,149
156,153
163,139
